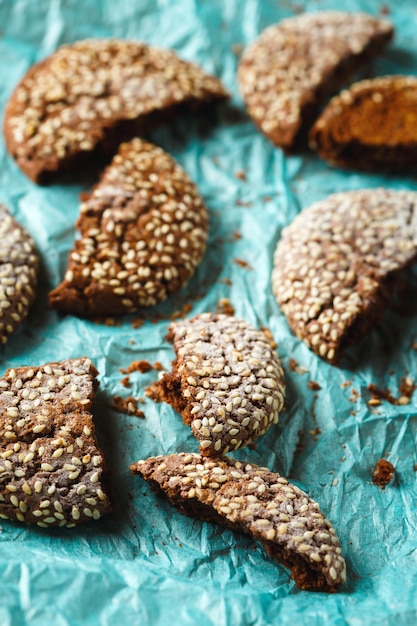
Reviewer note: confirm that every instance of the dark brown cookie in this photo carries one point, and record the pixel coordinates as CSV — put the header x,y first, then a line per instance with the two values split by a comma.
x,y
143,232
227,381
255,501
336,263
91,93
294,65
51,469
370,126
19,265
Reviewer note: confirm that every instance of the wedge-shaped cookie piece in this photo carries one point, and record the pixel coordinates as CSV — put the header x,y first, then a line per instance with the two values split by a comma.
x,y
95,93
255,501
51,468
294,65
335,265
370,126
226,381
19,264
143,232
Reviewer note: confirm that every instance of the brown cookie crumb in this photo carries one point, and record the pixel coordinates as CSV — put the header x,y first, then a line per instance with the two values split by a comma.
x,y
128,406
383,473
225,307
243,263
141,366
313,385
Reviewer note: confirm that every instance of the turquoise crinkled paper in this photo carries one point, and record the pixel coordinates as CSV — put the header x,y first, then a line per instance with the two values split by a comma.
x,y
146,564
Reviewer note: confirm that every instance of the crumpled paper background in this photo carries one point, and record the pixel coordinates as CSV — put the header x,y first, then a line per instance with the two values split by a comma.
x,y
147,564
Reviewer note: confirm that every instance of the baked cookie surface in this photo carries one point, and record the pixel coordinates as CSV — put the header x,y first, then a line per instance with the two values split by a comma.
x,y
88,92
226,381
51,469
287,72
143,232
19,265
370,126
255,501
335,264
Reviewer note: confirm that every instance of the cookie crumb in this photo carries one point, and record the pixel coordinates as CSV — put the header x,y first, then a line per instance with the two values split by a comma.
x,y
125,381
243,263
313,385
154,392
225,306
383,473
129,406
240,174
141,366
158,366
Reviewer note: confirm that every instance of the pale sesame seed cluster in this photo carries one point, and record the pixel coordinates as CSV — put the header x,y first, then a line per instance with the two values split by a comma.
x,y
67,104
288,70
51,470
255,501
333,263
19,264
226,381
370,125
143,232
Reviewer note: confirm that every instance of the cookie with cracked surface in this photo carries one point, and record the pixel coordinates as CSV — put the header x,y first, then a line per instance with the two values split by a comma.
x,y
89,94
226,381
19,265
370,126
255,501
52,472
294,65
335,266
143,232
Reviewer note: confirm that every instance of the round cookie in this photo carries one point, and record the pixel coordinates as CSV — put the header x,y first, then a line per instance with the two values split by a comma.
x,y
370,126
143,232
255,501
226,381
97,92
334,266
52,472
294,65
19,265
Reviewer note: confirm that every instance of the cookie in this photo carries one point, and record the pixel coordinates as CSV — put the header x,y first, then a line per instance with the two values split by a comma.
x,y
143,232
370,126
19,265
89,94
51,468
255,501
226,381
335,266
294,65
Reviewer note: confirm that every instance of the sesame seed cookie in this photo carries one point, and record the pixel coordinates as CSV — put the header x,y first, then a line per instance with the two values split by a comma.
x,y
143,232
294,65
370,126
51,469
19,265
255,501
89,93
336,264
226,381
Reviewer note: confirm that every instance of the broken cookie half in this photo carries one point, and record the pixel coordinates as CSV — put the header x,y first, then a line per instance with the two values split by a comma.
x,y
143,232
336,264
52,472
226,381
255,501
